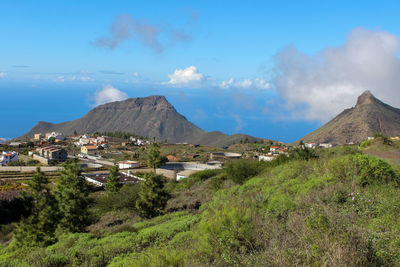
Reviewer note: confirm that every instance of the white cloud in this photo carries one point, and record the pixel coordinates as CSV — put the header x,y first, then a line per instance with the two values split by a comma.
x,y
136,74
186,77
109,94
36,77
239,122
319,87
61,79
86,79
3,74
227,84
246,84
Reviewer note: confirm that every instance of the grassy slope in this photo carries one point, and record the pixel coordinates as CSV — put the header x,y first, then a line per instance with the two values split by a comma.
x,y
319,212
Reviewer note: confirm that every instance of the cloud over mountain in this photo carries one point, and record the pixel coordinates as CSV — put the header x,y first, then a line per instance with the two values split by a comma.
x,y
109,94
318,87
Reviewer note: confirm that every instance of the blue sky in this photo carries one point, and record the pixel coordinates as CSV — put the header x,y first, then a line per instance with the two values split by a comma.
x,y
233,66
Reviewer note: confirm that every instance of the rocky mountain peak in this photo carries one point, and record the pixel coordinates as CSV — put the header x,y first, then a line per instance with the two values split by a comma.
x,y
365,98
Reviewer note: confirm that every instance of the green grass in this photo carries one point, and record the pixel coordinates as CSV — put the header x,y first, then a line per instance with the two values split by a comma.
x,y
341,209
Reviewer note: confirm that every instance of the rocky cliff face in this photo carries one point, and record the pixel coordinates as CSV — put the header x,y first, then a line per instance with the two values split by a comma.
x,y
151,116
367,117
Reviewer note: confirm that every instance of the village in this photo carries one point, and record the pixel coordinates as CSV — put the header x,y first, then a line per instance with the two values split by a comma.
x,y
97,153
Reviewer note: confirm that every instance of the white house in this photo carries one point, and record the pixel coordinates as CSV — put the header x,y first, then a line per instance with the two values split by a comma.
x,y
266,158
58,136
84,141
184,174
325,145
311,145
128,164
7,157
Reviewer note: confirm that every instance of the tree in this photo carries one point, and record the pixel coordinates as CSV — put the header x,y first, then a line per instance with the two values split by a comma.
x,y
113,180
153,196
154,159
39,227
52,140
241,170
72,196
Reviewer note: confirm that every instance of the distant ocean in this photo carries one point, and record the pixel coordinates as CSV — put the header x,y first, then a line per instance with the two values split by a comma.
x,y
22,107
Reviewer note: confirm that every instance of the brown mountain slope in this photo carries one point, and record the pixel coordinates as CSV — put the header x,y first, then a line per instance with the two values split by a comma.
x,y
151,116
369,116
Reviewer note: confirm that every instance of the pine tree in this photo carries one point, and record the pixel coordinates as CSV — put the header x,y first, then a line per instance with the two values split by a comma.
x,y
72,196
153,196
39,227
154,159
113,180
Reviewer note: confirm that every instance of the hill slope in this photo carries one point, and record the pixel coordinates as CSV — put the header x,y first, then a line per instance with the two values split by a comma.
x,y
369,116
151,116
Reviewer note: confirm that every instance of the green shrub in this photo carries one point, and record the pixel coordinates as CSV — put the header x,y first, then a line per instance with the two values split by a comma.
x,y
206,174
364,170
241,170
227,232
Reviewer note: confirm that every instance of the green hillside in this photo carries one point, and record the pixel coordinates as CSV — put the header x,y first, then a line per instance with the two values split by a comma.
x,y
332,207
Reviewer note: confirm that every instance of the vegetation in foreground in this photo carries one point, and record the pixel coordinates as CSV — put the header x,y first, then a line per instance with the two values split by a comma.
x,y
338,207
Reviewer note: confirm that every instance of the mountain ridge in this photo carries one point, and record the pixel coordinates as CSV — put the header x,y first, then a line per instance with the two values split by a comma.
x,y
152,116
353,125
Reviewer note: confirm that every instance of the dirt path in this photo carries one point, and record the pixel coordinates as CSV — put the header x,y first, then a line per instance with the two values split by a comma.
x,y
392,156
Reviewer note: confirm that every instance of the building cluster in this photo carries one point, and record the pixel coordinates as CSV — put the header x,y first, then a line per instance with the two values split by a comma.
x,y
58,137
316,145
273,153
89,145
52,153
8,156
139,142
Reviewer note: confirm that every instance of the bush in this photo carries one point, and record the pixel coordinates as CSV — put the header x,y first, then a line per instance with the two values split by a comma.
x,y
364,170
124,199
17,162
241,170
226,233
206,174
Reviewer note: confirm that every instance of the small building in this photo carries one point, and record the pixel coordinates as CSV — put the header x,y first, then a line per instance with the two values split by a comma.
x,y
128,164
57,136
89,150
16,144
215,163
266,158
224,155
84,141
7,157
184,174
274,149
38,136
325,145
311,145
54,153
